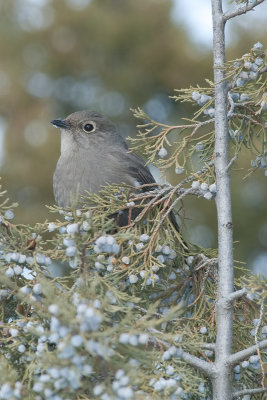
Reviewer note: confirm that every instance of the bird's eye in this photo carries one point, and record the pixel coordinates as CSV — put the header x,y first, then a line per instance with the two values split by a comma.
x,y
89,127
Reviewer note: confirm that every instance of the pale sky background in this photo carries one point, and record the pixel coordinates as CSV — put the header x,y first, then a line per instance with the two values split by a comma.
x,y
195,15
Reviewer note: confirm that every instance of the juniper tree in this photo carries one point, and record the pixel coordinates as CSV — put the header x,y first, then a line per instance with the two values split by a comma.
x,y
142,314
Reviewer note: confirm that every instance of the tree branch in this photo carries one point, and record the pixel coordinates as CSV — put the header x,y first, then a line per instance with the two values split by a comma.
x,y
249,391
232,161
243,354
241,10
208,346
237,294
201,365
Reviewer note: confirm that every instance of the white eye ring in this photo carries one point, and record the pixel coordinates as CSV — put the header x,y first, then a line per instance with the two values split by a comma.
x,y
89,127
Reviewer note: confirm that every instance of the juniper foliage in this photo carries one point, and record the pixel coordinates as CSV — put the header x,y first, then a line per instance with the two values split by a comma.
x,y
134,317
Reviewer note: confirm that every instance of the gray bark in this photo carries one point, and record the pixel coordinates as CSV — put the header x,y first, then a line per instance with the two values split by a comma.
x,y
222,382
224,359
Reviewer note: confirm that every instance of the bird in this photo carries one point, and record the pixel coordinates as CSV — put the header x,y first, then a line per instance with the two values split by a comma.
x,y
94,154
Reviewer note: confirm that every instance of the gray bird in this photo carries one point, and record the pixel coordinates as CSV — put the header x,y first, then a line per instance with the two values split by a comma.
x,y
94,154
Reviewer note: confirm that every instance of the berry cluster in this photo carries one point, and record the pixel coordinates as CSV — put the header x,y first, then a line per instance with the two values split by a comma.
x,y
208,191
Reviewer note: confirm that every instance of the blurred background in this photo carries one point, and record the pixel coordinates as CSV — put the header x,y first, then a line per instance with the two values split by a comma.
x,y
60,56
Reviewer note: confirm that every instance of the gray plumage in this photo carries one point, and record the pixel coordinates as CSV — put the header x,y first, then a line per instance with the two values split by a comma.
x,y
94,154
89,160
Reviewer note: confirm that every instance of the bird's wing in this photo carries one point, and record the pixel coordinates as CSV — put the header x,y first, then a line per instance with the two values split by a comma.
x,y
139,171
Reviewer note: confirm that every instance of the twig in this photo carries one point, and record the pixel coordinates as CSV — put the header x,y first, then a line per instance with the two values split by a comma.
x,y
243,354
236,295
155,232
166,192
241,10
232,105
143,310
201,365
232,161
244,116
206,261
208,346
249,391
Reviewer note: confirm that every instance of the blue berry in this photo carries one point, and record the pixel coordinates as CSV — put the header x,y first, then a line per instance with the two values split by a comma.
x,y
213,188
162,152
245,364
72,228
144,237
254,67
9,214
143,338
211,112
240,82
161,259
258,46
196,96
172,276
201,387
237,369
179,170
76,340
204,99
51,227
169,370
199,146
253,75
133,278
235,96
195,185
203,330
208,195
243,75
70,251
244,97
237,377
253,359
124,338
247,65
259,61
204,186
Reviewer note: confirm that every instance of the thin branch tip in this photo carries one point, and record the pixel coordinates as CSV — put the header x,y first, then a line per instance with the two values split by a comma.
x,y
249,391
237,294
246,353
241,10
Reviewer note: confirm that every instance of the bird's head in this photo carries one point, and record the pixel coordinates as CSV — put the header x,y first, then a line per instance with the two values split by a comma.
x,y
86,129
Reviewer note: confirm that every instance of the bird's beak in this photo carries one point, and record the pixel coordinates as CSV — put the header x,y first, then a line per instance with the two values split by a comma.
x,y
60,123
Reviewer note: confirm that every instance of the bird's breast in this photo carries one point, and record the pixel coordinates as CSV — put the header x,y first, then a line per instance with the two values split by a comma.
x,y
81,171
